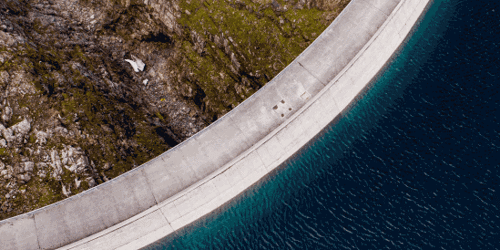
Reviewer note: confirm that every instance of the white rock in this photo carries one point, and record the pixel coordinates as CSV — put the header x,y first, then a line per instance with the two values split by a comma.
x,y
66,193
145,82
77,182
136,64
3,143
23,127
140,63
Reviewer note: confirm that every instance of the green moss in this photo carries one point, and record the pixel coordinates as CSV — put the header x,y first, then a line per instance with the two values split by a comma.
x,y
47,192
260,38
84,185
77,54
38,27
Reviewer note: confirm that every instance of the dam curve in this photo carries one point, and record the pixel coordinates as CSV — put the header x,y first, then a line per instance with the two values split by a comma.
x,y
212,167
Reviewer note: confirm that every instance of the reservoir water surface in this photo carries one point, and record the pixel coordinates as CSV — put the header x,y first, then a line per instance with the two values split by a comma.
x,y
413,164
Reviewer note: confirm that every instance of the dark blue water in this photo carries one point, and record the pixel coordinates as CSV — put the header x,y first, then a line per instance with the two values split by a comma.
x,y
414,164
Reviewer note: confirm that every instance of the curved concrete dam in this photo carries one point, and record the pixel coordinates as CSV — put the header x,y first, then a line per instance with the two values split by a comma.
x,y
212,167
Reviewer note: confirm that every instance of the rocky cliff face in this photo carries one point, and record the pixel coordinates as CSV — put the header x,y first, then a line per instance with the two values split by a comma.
x,y
91,89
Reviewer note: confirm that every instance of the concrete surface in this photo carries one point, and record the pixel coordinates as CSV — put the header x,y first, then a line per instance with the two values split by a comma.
x,y
209,169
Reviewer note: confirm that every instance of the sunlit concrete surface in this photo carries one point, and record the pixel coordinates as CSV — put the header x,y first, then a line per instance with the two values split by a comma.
x,y
212,167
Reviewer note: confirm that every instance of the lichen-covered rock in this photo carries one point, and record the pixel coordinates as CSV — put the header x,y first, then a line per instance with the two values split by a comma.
x,y
74,159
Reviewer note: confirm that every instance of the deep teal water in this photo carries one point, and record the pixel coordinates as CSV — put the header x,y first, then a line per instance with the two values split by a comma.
x,y
413,164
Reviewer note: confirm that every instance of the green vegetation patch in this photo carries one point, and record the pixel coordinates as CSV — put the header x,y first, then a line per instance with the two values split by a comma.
x,y
232,48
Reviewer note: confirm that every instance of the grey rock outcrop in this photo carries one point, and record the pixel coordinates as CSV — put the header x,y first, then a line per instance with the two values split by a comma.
x,y
74,159
17,133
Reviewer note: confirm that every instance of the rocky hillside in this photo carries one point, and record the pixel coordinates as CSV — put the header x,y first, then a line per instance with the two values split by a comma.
x,y
90,89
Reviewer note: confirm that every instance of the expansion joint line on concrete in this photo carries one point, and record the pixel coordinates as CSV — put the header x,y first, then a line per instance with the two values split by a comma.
x,y
148,184
36,230
164,216
311,73
375,7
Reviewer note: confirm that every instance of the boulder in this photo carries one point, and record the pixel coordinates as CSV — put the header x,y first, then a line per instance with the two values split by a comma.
x,y
136,64
16,133
74,159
